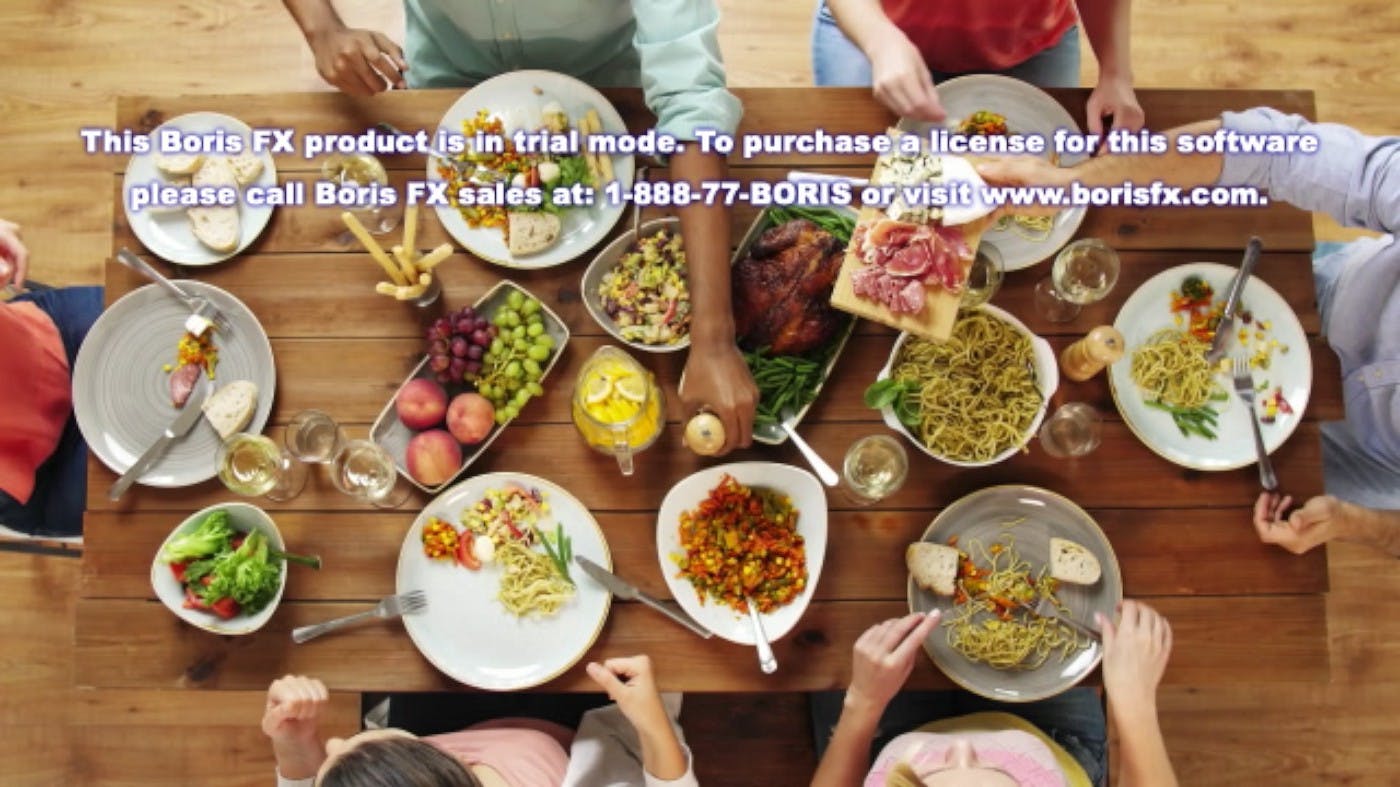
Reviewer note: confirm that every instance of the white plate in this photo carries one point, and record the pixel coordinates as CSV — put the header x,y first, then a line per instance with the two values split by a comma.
x,y
808,498
466,633
1148,310
1028,110
244,518
121,393
1047,374
167,234
517,98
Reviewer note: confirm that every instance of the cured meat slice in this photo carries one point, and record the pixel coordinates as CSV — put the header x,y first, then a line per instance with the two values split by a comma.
x,y
182,382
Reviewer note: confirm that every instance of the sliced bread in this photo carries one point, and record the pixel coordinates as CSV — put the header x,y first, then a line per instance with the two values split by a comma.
x,y
246,167
231,408
1073,563
178,163
217,227
933,566
215,171
531,232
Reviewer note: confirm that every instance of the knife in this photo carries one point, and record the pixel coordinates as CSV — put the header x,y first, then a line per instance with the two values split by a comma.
x,y
1226,326
177,428
625,590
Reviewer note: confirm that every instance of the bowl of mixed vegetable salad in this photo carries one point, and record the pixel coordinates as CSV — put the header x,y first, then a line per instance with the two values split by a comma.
x,y
637,289
223,569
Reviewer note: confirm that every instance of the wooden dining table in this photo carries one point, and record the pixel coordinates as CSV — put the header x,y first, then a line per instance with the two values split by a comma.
x,y
1240,610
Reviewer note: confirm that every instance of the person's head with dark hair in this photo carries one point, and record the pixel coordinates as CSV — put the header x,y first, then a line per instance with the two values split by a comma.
x,y
390,758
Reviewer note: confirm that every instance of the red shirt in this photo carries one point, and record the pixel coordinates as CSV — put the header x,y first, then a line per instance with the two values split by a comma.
x,y
34,395
981,35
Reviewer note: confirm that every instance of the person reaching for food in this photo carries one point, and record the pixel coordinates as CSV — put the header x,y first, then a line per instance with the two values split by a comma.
x,y
1322,519
904,47
930,739
1355,179
667,47
632,742
43,458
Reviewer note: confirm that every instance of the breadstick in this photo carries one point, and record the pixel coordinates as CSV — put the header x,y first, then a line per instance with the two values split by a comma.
x,y
358,230
589,158
605,167
430,260
405,261
400,292
410,228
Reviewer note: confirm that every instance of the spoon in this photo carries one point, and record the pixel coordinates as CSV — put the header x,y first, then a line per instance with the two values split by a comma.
x,y
823,470
766,660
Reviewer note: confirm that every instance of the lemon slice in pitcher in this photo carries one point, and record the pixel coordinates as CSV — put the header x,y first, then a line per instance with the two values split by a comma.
x,y
597,389
632,387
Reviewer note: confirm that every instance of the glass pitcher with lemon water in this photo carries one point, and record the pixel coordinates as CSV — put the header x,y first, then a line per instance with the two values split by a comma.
x,y
617,406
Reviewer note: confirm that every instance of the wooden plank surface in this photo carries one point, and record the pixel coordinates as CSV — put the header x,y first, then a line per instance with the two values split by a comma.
x,y
1182,536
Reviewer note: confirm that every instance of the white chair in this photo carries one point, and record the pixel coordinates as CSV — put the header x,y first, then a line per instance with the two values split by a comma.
x,y
59,546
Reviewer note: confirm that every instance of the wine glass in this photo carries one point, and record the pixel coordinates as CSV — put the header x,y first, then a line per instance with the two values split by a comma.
x,y
361,170
983,277
1084,272
1074,430
314,437
365,471
875,468
253,465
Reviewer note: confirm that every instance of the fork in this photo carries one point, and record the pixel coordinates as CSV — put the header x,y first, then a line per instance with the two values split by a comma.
x,y
1044,608
1244,388
197,304
390,607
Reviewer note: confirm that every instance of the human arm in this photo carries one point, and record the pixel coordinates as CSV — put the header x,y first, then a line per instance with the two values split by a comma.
x,y
1107,25
294,705
359,62
899,76
1322,519
884,657
631,684
1135,654
14,256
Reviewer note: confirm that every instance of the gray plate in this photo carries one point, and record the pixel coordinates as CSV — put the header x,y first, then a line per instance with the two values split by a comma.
x,y
603,263
980,516
121,393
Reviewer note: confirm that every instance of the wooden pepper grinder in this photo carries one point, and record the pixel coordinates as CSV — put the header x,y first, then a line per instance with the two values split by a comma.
x,y
1088,356
704,434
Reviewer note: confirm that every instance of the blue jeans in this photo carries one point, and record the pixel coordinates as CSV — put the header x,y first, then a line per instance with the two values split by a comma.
x,y
1074,720
838,62
60,484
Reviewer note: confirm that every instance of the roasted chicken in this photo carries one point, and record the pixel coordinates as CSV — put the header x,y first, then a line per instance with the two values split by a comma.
x,y
782,289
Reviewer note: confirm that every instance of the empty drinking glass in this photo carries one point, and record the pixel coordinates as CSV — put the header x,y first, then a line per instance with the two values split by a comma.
x,y
364,470
314,437
1074,430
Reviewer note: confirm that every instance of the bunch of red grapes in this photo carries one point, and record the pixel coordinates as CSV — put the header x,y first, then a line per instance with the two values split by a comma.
x,y
456,344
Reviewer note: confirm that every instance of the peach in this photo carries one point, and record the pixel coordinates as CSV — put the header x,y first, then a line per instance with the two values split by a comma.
x,y
421,404
433,457
470,418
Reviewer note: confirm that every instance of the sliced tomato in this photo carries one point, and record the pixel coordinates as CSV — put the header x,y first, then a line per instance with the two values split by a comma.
x,y
193,601
237,541
225,607
178,569
466,558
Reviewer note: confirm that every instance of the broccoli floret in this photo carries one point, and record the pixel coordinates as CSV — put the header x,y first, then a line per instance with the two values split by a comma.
x,y
211,536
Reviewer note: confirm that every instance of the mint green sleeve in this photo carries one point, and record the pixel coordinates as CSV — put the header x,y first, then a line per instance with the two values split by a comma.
x,y
682,70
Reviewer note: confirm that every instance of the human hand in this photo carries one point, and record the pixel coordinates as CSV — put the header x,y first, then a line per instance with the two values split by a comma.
x,y
294,705
901,78
717,379
1135,653
631,684
14,256
359,62
1315,523
1114,96
884,657
1022,171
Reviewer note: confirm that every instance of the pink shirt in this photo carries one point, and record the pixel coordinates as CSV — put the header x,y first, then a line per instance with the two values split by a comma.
x,y
525,752
1000,740
34,385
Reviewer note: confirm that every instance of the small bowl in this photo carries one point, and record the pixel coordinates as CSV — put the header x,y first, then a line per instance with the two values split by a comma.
x,y
245,518
603,263
1047,373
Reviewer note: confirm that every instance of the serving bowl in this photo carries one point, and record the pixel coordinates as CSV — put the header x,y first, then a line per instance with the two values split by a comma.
x,y
808,498
1047,374
245,518
604,262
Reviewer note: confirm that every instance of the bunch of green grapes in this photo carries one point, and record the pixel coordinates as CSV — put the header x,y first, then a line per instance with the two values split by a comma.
x,y
514,362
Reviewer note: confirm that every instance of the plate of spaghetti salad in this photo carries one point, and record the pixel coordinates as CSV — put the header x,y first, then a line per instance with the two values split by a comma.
x,y
741,531
986,642
506,610
1186,410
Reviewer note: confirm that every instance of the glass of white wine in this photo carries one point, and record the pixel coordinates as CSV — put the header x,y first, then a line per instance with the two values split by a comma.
x,y
365,471
875,468
254,465
314,437
983,276
1084,272
360,170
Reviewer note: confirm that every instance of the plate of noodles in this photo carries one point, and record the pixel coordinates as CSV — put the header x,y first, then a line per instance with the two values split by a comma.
x,y
1186,410
974,400
994,105
502,614
755,529
1004,532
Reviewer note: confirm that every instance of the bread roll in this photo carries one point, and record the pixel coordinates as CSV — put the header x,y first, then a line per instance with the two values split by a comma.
x,y
933,566
531,232
1073,563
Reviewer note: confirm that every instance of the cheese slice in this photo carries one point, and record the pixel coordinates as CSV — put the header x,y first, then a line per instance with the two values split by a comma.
x,y
1073,563
231,408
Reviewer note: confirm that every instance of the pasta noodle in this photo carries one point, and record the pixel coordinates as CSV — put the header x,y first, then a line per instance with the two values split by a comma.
x,y
1032,228
978,393
987,628
1171,366
529,582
